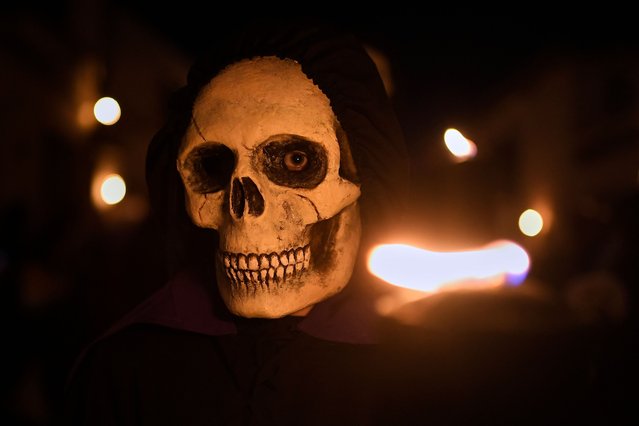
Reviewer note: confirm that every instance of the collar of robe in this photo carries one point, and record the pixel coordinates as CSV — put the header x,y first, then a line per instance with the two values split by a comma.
x,y
186,303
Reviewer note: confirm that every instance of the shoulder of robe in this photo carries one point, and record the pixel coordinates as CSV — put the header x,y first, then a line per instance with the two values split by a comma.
x,y
136,345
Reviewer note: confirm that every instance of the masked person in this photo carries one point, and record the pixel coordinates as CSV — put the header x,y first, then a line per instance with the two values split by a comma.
x,y
281,164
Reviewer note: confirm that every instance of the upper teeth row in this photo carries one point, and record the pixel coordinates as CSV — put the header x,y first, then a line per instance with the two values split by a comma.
x,y
256,262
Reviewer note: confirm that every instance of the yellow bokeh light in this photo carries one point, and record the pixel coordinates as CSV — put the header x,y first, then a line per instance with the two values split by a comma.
x,y
107,111
530,223
458,145
112,189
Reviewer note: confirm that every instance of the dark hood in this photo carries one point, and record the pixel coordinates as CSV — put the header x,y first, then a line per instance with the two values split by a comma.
x,y
340,66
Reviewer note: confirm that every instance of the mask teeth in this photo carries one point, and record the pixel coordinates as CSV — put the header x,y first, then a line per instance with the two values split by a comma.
x,y
250,271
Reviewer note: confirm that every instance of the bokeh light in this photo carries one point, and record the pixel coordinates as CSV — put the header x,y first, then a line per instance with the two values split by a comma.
x,y
531,223
461,147
107,111
113,189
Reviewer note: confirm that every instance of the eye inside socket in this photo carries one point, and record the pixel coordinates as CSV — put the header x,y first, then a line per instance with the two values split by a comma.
x,y
294,161
209,168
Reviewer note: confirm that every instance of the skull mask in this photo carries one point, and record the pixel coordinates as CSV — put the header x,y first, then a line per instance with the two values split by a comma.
x,y
262,164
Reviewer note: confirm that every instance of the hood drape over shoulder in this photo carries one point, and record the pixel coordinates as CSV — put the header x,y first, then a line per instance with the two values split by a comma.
x,y
340,66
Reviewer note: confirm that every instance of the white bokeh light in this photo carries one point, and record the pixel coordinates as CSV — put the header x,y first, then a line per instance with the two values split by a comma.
x,y
531,223
112,189
461,147
107,111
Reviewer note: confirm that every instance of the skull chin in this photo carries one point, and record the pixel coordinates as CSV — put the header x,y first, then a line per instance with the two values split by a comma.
x,y
273,284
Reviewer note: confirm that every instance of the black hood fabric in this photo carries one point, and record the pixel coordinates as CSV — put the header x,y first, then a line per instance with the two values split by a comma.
x,y
340,66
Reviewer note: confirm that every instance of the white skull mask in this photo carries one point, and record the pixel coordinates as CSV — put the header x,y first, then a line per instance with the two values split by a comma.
x,y
261,164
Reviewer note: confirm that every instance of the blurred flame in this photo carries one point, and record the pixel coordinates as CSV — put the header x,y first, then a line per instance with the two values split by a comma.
x,y
107,111
85,92
531,222
85,116
428,271
460,146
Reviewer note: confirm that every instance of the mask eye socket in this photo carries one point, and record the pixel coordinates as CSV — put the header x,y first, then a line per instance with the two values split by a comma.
x,y
208,168
294,161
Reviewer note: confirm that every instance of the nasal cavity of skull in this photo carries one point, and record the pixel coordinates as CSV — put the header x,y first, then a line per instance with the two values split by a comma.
x,y
245,194
209,168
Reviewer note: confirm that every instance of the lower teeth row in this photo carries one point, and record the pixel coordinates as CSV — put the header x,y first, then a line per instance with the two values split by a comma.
x,y
265,269
265,276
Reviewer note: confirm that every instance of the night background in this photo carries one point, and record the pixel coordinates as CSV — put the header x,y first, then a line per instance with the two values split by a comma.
x,y
551,104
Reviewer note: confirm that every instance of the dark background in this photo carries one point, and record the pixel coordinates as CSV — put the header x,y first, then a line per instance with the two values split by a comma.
x,y
551,101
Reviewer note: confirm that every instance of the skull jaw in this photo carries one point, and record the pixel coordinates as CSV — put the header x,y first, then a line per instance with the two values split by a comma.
x,y
334,250
278,302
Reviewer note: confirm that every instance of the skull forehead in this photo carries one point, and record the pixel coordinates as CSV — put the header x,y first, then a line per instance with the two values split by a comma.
x,y
256,98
